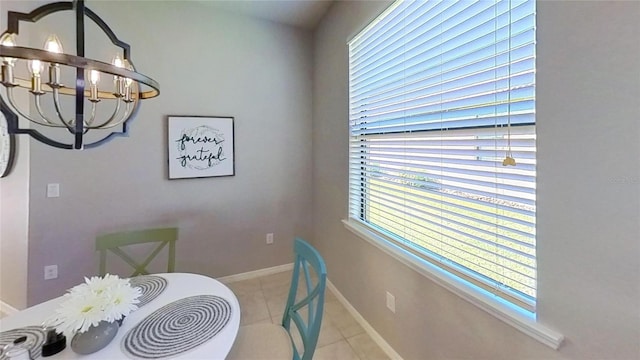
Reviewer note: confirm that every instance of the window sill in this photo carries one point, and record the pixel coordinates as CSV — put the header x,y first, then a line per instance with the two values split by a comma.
x,y
520,319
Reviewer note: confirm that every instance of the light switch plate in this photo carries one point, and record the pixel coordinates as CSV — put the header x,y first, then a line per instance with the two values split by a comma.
x,y
53,190
50,272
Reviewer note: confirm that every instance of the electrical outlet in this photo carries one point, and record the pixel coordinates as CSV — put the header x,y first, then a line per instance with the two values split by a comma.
x,y
391,302
269,238
50,272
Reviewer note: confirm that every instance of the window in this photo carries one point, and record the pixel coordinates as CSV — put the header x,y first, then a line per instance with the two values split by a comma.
x,y
442,159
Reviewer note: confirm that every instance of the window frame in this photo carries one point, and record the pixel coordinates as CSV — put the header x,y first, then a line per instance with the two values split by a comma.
x,y
520,319
514,315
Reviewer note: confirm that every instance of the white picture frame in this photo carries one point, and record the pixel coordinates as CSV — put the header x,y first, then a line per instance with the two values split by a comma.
x,y
200,146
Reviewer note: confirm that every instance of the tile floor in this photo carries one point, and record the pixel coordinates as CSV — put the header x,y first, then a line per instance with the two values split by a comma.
x,y
341,337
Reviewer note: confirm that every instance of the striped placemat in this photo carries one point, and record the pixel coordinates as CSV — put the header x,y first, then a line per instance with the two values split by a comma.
x,y
151,287
36,336
177,327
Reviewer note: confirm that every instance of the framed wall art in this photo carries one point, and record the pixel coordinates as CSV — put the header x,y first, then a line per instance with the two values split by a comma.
x,y
200,146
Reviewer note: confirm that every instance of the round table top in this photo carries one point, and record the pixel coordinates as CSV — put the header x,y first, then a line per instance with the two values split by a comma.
x,y
179,286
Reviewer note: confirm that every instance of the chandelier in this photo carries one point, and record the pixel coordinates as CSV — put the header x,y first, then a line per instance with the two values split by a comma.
x,y
100,104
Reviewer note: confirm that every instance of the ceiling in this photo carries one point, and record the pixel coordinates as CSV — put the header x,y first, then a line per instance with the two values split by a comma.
x,y
300,13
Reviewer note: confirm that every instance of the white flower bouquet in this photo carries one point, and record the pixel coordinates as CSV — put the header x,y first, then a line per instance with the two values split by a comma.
x,y
109,298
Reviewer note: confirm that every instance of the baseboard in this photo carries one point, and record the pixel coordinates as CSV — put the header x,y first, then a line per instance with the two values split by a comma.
x,y
7,309
365,325
254,274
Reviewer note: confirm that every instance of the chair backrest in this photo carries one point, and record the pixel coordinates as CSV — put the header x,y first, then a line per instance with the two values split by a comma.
x,y
113,242
305,309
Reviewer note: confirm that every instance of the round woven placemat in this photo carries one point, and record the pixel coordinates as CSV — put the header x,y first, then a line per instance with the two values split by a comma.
x,y
177,327
35,338
151,287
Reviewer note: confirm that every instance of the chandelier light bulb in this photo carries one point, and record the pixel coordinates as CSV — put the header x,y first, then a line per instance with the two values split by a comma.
x,y
52,44
8,40
35,67
117,61
118,82
94,77
127,65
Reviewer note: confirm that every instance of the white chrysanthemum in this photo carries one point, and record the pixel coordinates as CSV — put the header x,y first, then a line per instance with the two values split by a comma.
x,y
122,300
79,311
98,299
98,284
80,290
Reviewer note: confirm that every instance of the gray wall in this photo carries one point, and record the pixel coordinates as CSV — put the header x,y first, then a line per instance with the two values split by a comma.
x,y
261,73
588,197
14,214
14,208
208,62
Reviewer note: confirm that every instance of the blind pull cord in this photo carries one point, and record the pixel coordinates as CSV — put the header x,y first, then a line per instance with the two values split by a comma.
x,y
509,160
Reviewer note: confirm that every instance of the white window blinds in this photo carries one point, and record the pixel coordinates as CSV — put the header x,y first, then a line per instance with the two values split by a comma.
x,y
440,93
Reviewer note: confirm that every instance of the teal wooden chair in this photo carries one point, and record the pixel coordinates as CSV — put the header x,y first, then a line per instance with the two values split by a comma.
x,y
113,242
297,336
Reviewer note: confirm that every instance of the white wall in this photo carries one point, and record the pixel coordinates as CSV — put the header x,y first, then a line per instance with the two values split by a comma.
x,y
208,62
588,197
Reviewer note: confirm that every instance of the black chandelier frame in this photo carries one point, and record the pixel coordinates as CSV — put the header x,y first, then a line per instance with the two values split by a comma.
x,y
80,63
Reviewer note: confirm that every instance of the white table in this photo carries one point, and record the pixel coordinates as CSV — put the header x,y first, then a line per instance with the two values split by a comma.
x,y
179,286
